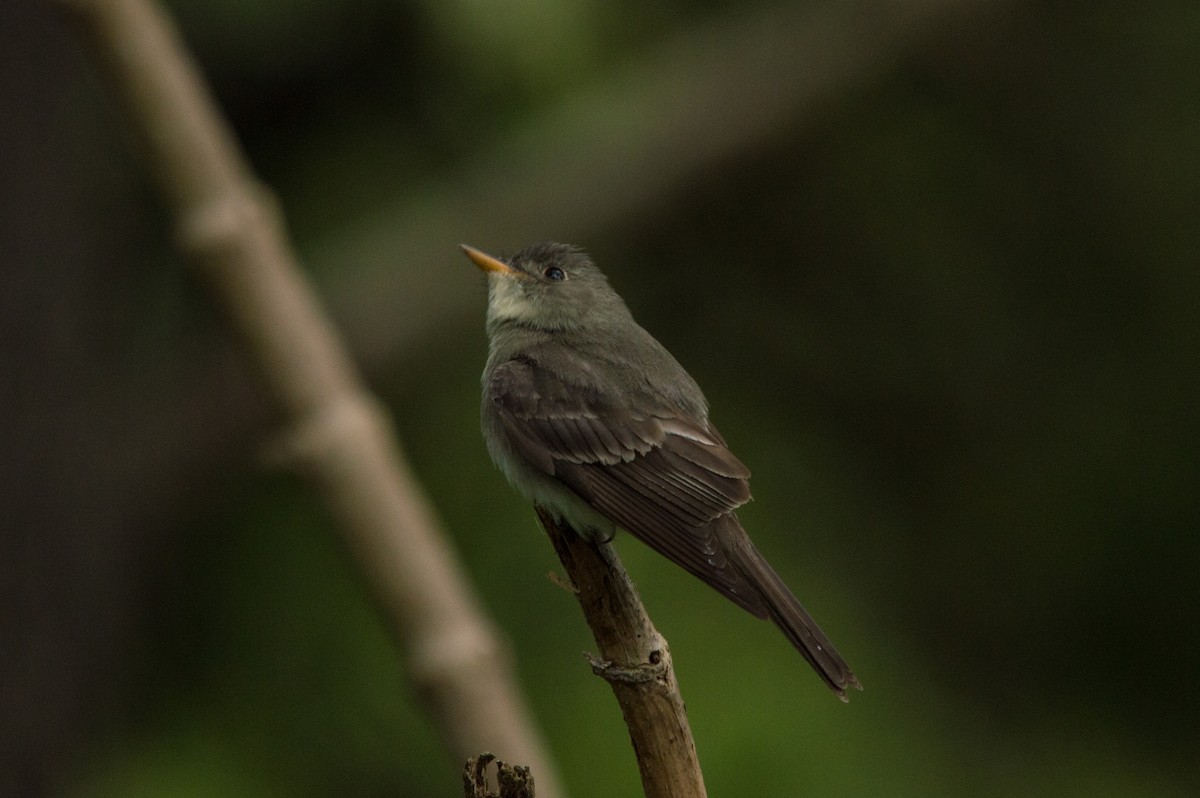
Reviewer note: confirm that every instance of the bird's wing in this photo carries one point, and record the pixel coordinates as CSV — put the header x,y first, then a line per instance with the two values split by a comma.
x,y
666,478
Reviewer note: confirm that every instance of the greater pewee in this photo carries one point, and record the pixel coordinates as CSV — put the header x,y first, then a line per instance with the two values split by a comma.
x,y
590,417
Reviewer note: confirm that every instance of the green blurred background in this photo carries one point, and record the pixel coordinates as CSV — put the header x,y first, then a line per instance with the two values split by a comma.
x,y
935,264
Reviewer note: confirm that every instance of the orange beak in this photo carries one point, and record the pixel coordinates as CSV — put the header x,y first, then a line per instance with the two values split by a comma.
x,y
486,262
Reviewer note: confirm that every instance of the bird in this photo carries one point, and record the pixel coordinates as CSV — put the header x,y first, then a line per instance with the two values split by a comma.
x,y
591,418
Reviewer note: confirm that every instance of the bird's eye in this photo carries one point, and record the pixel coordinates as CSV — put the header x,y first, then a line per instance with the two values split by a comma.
x,y
554,274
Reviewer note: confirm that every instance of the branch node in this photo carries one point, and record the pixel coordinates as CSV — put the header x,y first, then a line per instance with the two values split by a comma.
x,y
563,582
224,221
453,653
325,427
656,669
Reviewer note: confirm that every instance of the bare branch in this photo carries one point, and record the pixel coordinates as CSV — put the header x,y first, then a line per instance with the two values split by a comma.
x,y
635,661
339,437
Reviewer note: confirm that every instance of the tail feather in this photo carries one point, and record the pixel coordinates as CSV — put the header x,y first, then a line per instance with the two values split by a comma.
x,y
786,611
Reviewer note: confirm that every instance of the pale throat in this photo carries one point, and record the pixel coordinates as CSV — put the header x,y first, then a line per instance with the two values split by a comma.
x,y
507,300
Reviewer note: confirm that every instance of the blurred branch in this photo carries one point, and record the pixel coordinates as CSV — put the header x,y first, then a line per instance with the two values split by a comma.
x,y
635,661
612,152
339,438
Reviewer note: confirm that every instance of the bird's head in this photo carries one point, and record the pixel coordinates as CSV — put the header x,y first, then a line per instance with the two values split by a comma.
x,y
548,286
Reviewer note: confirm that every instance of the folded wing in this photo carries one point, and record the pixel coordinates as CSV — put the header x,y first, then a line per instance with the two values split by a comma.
x,y
666,478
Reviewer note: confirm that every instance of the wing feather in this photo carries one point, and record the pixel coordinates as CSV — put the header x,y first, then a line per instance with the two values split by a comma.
x,y
662,475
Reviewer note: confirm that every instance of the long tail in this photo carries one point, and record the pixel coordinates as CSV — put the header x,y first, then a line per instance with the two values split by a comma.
x,y
786,611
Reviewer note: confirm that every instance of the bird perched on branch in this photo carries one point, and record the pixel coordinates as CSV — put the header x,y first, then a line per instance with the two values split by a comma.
x,y
591,418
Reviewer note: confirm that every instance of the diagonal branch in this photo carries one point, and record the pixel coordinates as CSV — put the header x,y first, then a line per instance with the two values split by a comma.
x,y
339,437
635,661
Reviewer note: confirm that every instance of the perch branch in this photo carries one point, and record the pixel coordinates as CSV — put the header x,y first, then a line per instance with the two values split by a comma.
x,y
634,659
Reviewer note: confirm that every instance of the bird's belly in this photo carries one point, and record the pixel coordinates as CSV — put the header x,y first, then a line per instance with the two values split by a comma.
x,y
541,488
